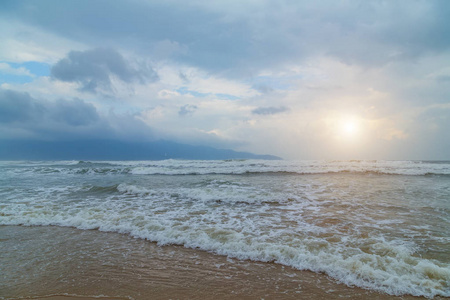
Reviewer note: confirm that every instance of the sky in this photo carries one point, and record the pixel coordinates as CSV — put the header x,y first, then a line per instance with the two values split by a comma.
x,y
297,79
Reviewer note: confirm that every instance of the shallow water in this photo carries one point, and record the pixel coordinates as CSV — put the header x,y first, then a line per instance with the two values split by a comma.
x,y
378,225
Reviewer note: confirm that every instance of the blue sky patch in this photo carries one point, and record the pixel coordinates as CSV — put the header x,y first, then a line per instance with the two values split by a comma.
x,y
9,78
22,72
36,68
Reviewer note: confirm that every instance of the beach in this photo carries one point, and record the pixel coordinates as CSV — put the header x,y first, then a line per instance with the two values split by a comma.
x,y
224,149
67,263
238,229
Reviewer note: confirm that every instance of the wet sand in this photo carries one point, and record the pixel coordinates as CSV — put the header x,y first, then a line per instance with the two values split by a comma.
x,y
56,263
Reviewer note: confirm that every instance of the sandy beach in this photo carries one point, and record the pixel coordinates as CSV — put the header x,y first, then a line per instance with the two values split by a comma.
x,y
65,263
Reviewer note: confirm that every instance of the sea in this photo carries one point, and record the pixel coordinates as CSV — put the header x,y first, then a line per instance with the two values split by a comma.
x,y
378,225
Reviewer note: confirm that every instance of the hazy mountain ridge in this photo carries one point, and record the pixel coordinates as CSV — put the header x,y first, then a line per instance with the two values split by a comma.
x,y
115,150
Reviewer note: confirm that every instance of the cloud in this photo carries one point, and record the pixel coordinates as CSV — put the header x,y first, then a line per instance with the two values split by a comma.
x,y
18,107
167,94
94,69
74,112
21,110
271,110
23,42
240,39
166,49
263,88
187,110
24,116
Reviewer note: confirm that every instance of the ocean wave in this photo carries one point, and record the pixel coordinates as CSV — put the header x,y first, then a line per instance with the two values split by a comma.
x,y
212,191
385,267
376,231
243,221
237,167
193,172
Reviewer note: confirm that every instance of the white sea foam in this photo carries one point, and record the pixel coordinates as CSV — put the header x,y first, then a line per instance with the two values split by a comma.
x,y
173,167
183,167
390,268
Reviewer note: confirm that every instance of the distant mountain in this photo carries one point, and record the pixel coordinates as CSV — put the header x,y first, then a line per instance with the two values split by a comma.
x,y
115,150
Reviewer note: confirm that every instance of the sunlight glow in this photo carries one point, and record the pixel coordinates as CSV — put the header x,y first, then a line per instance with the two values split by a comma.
x,y
349,127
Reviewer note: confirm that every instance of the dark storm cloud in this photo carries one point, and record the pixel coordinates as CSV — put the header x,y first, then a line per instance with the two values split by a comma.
x,y
271,110
21,110
93,69
74,112
18,107
24,116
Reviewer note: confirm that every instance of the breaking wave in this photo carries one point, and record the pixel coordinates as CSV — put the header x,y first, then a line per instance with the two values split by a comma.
x,y
239,167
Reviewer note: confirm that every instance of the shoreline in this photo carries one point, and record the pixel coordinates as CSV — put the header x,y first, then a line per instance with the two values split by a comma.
x,y
61,263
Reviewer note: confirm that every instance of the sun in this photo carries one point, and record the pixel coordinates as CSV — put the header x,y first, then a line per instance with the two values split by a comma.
x,y
349,128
